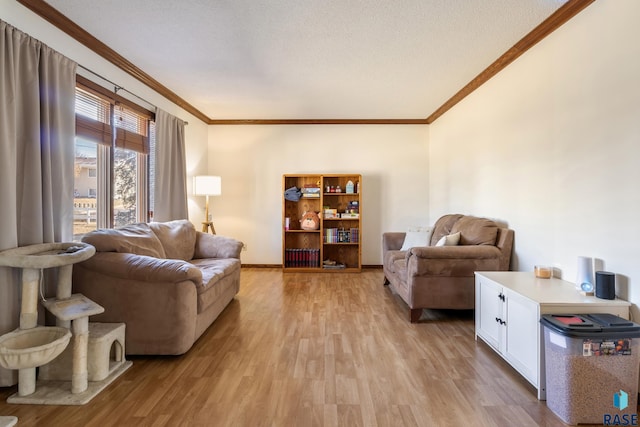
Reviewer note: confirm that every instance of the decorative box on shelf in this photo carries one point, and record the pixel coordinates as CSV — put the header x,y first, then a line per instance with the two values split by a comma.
x,y
344,236
330,213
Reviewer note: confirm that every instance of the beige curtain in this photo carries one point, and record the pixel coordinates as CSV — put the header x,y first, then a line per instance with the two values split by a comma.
x,y
37,130
170,189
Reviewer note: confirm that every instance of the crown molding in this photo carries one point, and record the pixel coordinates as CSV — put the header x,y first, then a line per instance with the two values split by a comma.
x,y
53,16
553,22
320,122
549,25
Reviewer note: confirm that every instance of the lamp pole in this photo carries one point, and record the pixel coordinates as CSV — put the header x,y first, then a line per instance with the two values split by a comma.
x,y
206,223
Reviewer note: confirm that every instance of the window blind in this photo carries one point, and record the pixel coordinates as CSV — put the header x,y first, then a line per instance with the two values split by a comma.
x,y
94,111
131,130
93,117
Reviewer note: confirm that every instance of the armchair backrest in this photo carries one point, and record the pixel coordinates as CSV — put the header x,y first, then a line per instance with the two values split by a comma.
x,y
476,231
443,227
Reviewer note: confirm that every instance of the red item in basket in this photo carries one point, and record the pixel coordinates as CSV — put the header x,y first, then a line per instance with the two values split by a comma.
x,y
569,320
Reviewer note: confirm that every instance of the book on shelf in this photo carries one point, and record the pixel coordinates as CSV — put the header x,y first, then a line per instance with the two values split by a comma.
x,y
310,191
302,258
335,235
334,266
331,235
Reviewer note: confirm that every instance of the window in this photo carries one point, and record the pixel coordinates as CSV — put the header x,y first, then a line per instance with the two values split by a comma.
x,y
111,160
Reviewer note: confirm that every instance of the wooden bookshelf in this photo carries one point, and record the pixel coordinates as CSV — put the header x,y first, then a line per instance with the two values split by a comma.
x,y
338,238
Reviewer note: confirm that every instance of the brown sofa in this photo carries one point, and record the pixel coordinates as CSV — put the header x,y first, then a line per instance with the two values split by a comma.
x,y
166,281
442,277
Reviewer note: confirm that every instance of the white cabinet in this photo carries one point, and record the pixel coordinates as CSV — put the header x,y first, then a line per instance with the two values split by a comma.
x,y
508,309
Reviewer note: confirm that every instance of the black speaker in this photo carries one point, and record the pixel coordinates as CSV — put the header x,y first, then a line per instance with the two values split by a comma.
x,y
605,285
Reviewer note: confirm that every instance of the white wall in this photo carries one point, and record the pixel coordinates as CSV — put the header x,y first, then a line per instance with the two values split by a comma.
x,y
195,133
550,145
392,160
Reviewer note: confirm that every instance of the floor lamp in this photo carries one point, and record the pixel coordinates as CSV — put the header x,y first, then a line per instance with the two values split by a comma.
x,y
207,185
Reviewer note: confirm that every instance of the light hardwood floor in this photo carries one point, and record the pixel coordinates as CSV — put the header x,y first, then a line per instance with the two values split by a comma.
x,y
314,350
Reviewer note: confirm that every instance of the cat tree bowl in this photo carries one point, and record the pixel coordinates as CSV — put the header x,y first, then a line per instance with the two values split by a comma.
x,y
29,348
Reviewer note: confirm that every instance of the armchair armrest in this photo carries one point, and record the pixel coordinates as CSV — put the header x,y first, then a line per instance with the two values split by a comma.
x,y
142,268
452,260
455,252
215,246
392,241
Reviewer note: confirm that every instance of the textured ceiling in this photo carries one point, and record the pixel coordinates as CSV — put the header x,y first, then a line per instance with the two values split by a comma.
x,y
311,59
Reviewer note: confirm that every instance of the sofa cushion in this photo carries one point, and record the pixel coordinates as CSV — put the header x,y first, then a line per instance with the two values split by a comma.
x,y
134,239
213,271
443,227
476,231
178,238
449,240
216,246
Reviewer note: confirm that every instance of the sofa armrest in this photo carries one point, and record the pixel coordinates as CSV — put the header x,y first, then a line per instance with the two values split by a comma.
x,y
392,241
158,303
215,246
142,268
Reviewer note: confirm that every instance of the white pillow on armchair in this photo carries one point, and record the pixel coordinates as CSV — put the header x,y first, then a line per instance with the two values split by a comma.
x,y
416,237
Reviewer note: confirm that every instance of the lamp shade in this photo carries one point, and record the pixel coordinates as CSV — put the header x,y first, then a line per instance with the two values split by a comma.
x,y
207,185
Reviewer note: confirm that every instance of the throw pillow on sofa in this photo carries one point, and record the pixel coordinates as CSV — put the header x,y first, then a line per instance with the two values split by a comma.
x,y
449,240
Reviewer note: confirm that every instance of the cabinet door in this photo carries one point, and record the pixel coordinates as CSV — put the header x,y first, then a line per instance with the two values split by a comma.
x,y
489,312
522,335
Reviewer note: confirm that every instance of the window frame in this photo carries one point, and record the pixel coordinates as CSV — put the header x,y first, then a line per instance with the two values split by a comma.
x,y
108,136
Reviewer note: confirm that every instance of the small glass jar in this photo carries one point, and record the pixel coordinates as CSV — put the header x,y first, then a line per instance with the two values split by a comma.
x,y
543,271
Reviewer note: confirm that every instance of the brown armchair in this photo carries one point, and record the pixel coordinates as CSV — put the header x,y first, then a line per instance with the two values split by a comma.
x,y
442,277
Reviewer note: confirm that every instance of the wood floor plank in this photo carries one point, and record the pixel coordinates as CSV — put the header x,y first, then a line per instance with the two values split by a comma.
x,y
300,349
